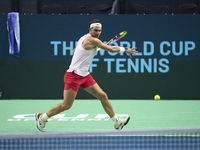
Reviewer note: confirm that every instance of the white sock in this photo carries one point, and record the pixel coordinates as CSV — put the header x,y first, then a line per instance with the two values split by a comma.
x,y
45,117
114,119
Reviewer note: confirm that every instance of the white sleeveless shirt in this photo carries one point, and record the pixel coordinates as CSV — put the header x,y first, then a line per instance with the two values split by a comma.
x,y
82,58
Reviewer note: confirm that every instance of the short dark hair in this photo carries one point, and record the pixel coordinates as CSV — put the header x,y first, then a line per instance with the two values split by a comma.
x,y
95,21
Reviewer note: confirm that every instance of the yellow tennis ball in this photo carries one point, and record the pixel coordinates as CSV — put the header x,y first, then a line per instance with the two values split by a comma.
x,y
157,97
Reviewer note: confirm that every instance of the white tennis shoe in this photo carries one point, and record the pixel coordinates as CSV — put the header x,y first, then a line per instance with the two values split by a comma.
x,y
40,122
120,123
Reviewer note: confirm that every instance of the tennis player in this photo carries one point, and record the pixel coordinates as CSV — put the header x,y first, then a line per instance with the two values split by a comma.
x,y
78,76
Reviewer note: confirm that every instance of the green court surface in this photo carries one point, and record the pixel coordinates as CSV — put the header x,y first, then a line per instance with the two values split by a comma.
x,y
17,116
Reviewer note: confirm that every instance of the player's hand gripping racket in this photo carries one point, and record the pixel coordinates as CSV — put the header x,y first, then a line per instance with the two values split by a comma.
x,y
115,39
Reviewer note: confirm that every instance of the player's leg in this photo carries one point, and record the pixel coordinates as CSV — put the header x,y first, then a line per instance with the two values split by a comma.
x,y
69,94
68,99
96,91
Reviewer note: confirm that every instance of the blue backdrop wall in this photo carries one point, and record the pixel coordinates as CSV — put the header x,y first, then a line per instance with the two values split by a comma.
x,y
168,62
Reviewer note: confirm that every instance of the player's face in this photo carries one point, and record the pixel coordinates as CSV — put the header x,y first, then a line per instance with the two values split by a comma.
x,y
95,32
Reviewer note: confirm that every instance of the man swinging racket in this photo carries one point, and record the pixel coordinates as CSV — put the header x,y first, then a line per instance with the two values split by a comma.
x,y
78,76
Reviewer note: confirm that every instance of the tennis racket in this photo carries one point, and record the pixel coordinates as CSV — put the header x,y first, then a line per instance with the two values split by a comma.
x,y
115,39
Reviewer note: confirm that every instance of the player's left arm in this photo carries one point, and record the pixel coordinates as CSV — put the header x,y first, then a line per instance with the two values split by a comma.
x,y
74,50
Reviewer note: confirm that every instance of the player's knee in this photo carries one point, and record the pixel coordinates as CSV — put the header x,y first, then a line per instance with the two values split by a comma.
x,y
66,106
103,97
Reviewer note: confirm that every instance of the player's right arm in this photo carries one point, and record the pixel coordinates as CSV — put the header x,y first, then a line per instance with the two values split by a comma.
x,y
112,49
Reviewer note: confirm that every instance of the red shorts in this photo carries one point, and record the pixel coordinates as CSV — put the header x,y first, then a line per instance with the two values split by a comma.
x,y
75,81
